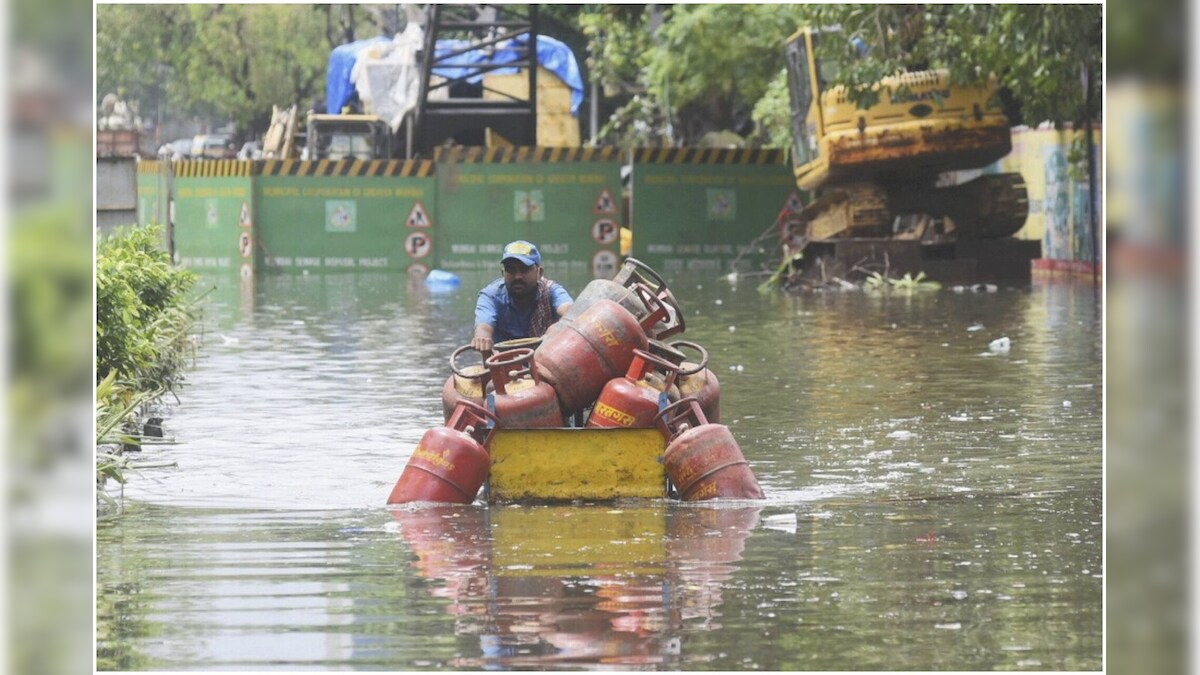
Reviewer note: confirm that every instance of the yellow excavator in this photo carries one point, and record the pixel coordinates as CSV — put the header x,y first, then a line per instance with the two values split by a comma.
x,y
871,168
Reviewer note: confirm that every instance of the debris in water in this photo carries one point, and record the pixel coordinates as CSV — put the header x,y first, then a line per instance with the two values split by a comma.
x,y
784,522
975,327
719,301
732,328
1000,345
1066,404
901,434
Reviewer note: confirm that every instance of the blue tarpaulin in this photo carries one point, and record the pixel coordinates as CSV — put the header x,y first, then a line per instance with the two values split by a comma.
x,y
338,88
552,55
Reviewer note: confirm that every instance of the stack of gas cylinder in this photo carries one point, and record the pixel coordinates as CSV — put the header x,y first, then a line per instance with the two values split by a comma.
x,y
604,364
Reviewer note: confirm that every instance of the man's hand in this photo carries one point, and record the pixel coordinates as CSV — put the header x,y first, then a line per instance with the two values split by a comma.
x,y
482,340
482,344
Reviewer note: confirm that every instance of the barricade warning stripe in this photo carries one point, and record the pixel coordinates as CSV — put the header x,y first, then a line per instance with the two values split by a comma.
x,y
467,155
294,167
709,155
477,155
210,168
411,168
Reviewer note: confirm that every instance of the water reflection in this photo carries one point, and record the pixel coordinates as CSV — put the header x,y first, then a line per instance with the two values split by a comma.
x,y
555,586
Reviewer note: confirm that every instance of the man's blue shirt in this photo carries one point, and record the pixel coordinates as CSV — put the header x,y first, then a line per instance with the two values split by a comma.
x,y
494,307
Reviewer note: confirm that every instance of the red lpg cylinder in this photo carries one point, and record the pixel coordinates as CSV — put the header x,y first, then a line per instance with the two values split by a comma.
x,y
632,401
702,459
582,357
668,353
522,401
451,462
620,290
517,343
696,379
467,382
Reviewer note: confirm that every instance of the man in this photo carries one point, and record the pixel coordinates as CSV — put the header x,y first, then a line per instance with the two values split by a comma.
x,y
520,304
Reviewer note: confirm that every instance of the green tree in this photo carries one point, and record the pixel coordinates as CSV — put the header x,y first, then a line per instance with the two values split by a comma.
x,y
246,58
1039,53
686,70
225,62
139,50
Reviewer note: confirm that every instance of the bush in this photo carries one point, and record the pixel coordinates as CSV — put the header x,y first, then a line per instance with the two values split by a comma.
x,y
143,316
141,310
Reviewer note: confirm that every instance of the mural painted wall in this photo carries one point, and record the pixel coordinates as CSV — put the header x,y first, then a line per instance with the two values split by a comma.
x,y
1059,199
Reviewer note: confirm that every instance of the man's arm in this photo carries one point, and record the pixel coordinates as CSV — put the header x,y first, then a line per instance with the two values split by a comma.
x,y
486,316
561,299
482,340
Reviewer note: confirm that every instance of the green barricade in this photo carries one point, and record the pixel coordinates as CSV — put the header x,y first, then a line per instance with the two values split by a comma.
x,y
346,215
213,215
699,209
564,200
151,192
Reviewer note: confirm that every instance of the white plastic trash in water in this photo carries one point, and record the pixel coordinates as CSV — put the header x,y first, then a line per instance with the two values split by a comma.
x,y
441,280
1000,345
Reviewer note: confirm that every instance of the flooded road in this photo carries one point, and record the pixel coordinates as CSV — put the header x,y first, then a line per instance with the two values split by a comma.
x,y
931,504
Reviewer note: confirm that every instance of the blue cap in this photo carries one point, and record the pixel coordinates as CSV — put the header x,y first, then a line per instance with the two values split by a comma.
x,y
524,251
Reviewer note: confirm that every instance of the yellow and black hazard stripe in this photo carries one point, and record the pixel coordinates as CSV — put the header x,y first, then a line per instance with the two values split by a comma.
x,y
709,156
510,155
411,168
149,166
212,168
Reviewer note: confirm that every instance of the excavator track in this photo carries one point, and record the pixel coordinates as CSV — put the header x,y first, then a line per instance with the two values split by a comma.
x,y
860,210
989,207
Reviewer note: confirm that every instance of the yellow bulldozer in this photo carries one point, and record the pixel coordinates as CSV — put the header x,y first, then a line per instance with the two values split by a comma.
x,y
880,172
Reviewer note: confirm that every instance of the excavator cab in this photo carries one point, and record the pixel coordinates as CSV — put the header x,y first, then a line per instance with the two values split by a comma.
x,y
808,78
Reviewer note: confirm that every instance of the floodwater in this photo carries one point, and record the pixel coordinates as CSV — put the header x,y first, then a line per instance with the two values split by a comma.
x,y
931,504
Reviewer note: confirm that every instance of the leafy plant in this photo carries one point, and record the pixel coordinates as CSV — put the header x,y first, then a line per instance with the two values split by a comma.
x,y
141,313
918,283
115,407
143,316
877,282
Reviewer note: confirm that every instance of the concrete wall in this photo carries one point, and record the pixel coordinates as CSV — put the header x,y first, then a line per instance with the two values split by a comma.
x,y
116,192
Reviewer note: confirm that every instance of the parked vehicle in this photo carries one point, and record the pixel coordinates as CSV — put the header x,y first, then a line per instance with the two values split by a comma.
x,y
250,150
213,146
176,150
